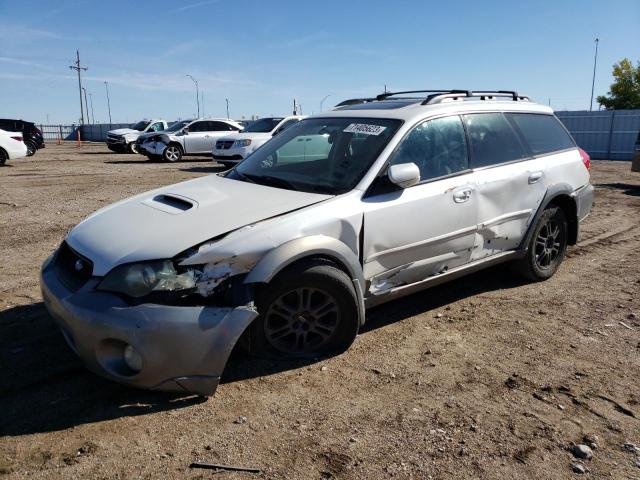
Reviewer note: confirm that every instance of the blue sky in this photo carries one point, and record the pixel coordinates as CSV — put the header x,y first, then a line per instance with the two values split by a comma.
x,y
262,54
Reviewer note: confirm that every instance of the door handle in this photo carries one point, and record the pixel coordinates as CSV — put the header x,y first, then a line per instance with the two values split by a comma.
x,y
534,177
462,195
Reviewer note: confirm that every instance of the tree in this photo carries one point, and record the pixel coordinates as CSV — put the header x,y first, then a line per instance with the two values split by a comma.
x,y
625,90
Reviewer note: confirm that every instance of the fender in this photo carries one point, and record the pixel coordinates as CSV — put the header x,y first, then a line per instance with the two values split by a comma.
x,y
316,245
551,193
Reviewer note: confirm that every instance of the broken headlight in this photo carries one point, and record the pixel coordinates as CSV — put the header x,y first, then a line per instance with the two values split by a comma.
x,y
140,279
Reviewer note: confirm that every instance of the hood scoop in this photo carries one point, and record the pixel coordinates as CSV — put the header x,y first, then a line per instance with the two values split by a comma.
x,y
170,203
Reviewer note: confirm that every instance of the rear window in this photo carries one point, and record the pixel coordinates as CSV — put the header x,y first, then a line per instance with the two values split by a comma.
x,y
543,133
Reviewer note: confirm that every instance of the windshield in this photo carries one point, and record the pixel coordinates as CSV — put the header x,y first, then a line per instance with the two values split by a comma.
x,y
141,125
264,125
322,155
178,125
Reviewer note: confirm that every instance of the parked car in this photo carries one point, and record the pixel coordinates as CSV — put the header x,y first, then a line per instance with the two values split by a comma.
x,y
12,146
32,136
397,194
140,141
123,140
635,163
196,138
231,149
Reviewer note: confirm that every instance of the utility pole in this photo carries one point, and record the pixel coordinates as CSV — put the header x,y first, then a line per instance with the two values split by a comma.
x,y
86,104
197,92
593,82
294,107
93,118
202,98
106,85
227,100
77,68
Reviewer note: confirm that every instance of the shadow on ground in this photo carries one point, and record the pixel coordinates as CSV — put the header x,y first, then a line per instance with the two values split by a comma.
x,y
627,188
44,387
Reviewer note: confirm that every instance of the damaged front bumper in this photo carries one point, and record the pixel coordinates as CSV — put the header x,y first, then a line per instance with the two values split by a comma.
x,y
178,348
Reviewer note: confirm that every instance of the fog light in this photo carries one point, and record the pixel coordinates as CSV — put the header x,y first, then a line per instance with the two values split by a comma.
x,y
132,358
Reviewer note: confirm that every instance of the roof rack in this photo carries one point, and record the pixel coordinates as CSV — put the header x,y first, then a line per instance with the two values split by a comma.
x,y
385,95
484,95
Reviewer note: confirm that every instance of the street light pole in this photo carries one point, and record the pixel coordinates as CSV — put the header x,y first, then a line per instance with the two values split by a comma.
x,y
86,104
227,100
197,93
593,82
93,118
322,101
106,85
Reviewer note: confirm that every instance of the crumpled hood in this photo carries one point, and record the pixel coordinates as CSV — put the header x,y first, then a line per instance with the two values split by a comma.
x,y
123,131
164,222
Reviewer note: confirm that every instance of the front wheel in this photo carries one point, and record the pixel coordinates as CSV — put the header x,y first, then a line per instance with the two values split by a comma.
x,y
132,147
173,153
31,148
309,310
3,157
547,246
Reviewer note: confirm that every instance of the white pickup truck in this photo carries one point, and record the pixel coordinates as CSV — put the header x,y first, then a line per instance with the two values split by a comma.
x,y
123,140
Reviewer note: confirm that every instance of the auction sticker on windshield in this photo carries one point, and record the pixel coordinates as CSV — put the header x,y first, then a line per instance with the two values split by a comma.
x,y
365,129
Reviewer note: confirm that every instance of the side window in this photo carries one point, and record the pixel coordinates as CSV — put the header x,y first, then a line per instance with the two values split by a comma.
x,y
220,127
156,127
438,147
286,125
492,140
197,127
543,133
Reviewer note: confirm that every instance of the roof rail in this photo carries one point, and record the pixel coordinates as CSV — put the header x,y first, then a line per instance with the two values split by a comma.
x,y
484,95
385,95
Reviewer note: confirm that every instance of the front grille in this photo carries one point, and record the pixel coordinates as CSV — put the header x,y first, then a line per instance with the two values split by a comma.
x,y
72,269
224,144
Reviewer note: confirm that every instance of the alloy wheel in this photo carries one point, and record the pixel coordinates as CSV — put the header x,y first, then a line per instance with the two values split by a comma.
x,y
301,321
549,244
172,154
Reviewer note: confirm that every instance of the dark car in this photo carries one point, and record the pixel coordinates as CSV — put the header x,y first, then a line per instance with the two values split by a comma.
x,y
32,135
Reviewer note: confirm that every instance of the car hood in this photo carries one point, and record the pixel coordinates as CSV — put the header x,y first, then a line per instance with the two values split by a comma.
x,y
162,223
123,131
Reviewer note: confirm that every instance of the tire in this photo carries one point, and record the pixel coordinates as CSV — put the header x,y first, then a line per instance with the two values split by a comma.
x,y
3,157
172,153
31,148
547,246
308,310
132,147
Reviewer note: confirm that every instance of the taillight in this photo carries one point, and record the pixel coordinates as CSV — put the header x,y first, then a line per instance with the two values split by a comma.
x,y
17,138
585,159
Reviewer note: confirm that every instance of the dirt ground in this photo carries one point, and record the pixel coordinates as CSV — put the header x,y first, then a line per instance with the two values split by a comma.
x,y
485,377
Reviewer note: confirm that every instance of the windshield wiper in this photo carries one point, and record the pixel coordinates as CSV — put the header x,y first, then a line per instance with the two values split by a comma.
x,y
270,181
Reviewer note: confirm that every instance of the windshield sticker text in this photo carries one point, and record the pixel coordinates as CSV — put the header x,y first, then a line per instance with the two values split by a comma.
x,y
365,129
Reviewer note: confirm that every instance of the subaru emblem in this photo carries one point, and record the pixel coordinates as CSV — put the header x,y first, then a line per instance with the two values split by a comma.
x,y
78,265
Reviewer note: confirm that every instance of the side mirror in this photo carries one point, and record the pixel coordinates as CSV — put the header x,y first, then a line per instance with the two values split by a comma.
x,y
185,131
404,175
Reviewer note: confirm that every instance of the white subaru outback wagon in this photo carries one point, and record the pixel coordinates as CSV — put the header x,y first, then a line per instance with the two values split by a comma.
x,y
285,253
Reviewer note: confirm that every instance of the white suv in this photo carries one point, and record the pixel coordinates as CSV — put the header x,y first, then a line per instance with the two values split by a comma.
x,y
195,138
393,194
231,149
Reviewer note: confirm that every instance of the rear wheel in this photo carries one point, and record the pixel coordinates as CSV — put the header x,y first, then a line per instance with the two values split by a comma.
x,y
31,148
3,157
547,246
172,153
308,310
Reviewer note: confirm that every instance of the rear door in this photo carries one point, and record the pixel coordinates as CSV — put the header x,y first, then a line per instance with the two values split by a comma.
x,y
510,183
414,233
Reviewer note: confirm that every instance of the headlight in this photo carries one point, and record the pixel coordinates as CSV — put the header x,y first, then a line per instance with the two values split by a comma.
x,y
242,143
140,279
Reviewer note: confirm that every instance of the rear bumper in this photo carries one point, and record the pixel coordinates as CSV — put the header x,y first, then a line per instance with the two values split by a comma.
x,y
584,201
182,348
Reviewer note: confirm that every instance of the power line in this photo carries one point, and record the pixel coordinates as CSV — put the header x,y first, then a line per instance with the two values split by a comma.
x,y
77,68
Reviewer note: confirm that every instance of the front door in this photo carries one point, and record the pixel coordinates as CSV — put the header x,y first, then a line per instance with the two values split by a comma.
x,y
414,233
